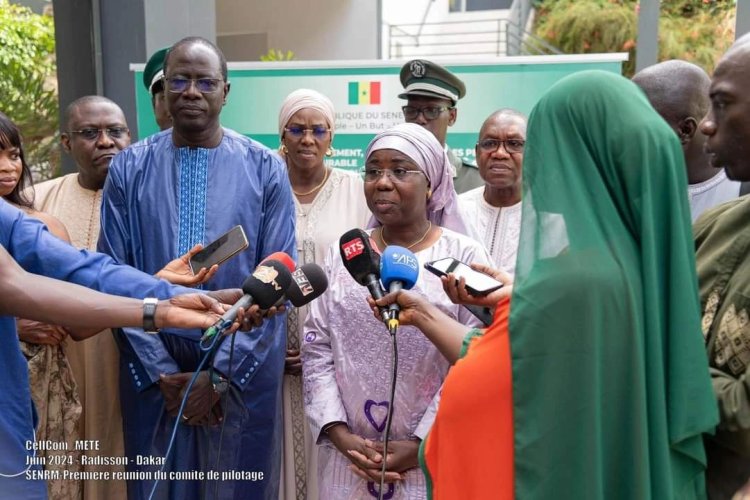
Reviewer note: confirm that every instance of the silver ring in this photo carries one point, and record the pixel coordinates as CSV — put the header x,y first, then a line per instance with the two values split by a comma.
x,y
185,418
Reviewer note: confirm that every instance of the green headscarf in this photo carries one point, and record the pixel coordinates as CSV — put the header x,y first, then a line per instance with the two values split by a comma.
x,y
611,386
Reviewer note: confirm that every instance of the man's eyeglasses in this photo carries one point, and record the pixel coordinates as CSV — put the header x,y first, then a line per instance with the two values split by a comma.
x,y
397,174
92,134
511,145
318,131
429,112
204,85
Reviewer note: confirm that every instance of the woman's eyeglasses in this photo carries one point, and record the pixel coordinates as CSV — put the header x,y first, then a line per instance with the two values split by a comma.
x,y
203,85
491,145
397,174
92,134
318,131
429,112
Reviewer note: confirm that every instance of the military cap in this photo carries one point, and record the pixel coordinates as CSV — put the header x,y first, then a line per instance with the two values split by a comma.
x,y
428,79
154,70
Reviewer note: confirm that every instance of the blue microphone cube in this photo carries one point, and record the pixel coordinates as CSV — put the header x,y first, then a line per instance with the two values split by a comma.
x,y
398,264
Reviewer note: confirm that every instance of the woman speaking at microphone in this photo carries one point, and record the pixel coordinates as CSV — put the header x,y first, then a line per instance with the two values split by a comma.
x,y
592,382
328,202
346,354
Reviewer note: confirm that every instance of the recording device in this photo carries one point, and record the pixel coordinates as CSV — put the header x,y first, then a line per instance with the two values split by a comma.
x,y
363,263
224,247
308,283
399,270
284,258
477,283
264,287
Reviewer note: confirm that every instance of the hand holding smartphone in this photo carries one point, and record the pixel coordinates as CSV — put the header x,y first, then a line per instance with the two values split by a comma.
x,y
224,247
477,284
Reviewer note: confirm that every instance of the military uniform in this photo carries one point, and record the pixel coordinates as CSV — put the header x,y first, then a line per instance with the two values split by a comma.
x,y
422,78
466,175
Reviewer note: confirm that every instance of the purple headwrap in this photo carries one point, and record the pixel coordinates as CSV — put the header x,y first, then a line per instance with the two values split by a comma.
x,y
423,148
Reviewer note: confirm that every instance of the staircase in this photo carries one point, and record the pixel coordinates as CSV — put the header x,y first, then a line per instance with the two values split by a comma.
x,y
505,34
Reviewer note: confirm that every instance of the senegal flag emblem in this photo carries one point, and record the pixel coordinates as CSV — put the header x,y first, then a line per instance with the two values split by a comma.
x,y
364,93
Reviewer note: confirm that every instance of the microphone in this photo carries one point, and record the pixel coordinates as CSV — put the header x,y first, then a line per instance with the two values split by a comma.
x,y
308,283
363,263
284,258
399,270
264,287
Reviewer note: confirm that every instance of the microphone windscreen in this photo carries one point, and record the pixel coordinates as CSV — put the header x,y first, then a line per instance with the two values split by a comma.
x,y
268,283
308,283
398,264
284,258
358,255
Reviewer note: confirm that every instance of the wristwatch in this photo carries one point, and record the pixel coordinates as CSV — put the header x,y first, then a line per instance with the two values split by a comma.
x,y
149,313
220,383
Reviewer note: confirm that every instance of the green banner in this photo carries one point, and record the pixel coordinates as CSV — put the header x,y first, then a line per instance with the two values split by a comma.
x,y
365,95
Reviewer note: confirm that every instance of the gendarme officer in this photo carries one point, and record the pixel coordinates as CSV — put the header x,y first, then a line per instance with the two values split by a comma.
x,y
432,92
153,80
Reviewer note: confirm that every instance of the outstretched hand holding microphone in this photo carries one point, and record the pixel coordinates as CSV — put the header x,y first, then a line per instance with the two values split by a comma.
x,y
442,330
275,280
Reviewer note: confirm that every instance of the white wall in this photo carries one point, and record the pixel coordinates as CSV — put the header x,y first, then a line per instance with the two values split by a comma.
x,y
168,21
313,30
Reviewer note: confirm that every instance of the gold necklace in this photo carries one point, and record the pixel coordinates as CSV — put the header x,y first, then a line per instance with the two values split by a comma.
x,y
325,178
420,240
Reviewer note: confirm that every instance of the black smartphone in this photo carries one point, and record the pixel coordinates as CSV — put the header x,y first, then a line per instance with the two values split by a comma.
x,y
476,283
225,246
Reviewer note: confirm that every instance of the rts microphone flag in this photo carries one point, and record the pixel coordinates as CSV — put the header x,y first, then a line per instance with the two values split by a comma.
x,y
363,263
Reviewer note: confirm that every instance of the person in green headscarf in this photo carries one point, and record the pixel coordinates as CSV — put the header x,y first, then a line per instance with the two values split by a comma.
x,y
611,392
610,383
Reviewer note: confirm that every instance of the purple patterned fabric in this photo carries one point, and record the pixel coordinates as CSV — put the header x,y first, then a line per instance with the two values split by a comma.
x,y
422,147
346,363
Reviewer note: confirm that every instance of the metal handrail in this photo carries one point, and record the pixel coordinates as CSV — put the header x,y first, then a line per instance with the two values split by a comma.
x,y
452,22
508,39
530,37
457,33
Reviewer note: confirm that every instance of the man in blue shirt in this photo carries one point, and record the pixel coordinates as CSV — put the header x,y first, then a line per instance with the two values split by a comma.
x,y
183,186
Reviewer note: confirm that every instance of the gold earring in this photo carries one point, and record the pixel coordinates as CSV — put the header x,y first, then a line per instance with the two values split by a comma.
x,y
429,193
329,151
282,149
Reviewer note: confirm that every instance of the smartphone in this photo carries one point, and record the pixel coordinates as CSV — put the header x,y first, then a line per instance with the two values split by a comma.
x,y
476,283
225,246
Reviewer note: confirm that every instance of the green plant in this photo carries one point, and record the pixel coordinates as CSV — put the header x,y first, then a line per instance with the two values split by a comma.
x,y
277,55
28,93
699,31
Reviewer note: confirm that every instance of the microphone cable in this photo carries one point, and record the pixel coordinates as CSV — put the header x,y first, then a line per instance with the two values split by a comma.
x,y
224,409
209,351
392,329
181,411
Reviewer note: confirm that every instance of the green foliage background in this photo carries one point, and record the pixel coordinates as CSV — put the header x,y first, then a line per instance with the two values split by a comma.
x,y
277,55
28,93
699,31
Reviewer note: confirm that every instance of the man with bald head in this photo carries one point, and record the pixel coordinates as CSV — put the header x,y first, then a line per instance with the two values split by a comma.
x,y
183,186
722,237
678,91
493,212
94,131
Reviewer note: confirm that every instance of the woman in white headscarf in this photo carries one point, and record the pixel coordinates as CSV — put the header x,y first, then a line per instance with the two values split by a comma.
x,y
329,202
